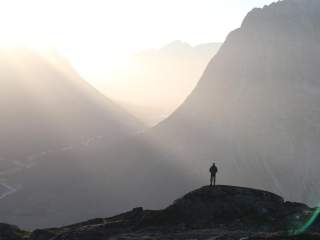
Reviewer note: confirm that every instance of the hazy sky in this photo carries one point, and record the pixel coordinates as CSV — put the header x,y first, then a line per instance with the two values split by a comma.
x,y
94,34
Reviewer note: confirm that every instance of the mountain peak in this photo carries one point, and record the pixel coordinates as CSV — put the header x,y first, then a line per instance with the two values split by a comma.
x,y
291,15
176,45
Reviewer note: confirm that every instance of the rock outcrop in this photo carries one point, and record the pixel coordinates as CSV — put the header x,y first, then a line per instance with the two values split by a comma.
x,y
221,212
10,232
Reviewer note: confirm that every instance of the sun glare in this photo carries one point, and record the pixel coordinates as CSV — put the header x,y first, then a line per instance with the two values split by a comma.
x,y
98,36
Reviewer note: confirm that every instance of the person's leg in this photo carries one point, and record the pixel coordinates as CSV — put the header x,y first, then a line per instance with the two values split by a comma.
x,y
211,179
214,180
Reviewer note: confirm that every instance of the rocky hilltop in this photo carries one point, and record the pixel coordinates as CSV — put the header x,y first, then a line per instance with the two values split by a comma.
x,y
221,212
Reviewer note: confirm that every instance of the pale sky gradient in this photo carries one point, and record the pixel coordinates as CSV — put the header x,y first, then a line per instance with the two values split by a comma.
x,y
95,34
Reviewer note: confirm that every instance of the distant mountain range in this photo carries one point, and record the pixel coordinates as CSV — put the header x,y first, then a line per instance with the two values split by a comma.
x,y
159,80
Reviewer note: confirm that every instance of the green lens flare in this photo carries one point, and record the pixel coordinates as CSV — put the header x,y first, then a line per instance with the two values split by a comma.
x,y
307,224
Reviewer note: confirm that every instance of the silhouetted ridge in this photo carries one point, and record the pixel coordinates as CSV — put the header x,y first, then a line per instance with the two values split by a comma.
x,y
227,205
221,211
289,19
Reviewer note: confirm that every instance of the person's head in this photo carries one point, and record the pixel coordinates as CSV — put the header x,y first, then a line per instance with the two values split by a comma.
x,y
213,164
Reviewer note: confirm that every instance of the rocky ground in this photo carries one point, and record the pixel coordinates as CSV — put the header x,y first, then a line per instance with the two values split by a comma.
x,y
220,213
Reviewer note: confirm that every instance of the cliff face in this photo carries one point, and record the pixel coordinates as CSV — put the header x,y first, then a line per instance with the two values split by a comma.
x,y
256,109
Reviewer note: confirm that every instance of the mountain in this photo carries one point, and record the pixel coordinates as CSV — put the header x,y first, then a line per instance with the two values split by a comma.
x,y
256,108
220,212
48,109
155,82
94,179
46,105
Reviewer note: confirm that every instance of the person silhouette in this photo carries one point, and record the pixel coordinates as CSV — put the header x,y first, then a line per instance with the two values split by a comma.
x,y
213,173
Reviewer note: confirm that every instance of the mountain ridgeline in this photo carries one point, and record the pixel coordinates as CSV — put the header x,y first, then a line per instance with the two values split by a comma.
x,y
159,80
45,105
48,109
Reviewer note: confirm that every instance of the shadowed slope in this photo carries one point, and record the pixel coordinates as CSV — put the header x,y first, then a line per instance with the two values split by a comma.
x,y
45,105
50,117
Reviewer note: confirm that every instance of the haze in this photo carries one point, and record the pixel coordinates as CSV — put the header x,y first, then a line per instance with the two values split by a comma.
x,y
99,38
111,105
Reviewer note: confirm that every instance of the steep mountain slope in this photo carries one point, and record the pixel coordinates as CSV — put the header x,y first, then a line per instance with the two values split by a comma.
x,y
256,109
48,113
45,105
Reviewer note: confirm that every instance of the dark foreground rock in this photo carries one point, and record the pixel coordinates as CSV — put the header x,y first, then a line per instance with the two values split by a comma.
x,y
10,232
221,212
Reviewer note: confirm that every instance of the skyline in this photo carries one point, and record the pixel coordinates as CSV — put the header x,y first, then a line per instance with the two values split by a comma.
x,y
96,35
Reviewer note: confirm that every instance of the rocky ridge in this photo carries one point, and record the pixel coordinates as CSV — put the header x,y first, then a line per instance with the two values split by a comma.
x,y
221,212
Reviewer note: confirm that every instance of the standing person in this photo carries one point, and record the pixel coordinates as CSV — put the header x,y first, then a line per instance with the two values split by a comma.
x,y
213,172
